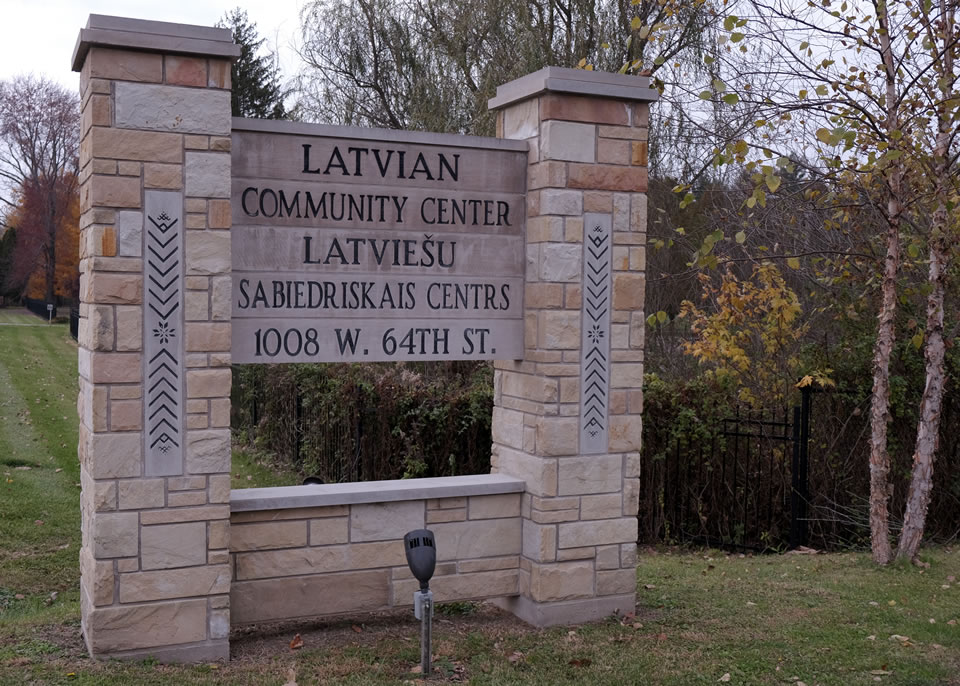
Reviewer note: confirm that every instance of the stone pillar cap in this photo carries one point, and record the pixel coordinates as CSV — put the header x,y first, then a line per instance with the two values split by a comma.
x,y
153,36
597,84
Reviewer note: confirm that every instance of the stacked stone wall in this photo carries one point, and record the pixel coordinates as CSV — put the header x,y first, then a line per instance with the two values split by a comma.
x,y
336,559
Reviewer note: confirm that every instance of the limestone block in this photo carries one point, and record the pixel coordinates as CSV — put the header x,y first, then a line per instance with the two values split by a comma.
x,y
627,375
128,168
561,140
97,577
446,503
208,383
438,516
208,451
567,554
613,151
129,233
589,474
543,295
185,71
628,555
605,506
625,132
561,201
220,623
115,534
477,538
638,212
638,154
491,584
208,337
597,532
290,513
549,174
150,146
561,581
185,514
220,413
114,367
559,329
186,483
488,564
309,596
318,559
585,108
221,143
188,498
607,177
169,108
554,516
208,173
540,474
208,253
157,175
631,496
507,427
560,262
174,583
616,581
219,214
114,455
219,491
532,264
126,65
529,386
521,120
173,545
628,291
385,521
219,75
328,531
129,627
196,306
114,289
625,433
494,506
94,406
558,436
218,534
138,494
539,541
126,415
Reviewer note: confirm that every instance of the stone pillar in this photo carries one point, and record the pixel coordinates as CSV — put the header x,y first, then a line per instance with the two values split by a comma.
x,y
567,416
154,338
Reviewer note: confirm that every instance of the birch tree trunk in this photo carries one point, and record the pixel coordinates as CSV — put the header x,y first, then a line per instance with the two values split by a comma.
x,y
928,425
886,334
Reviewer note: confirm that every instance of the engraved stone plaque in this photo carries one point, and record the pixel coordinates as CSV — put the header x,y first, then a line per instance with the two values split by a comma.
x,y
595,333
163,333
352,245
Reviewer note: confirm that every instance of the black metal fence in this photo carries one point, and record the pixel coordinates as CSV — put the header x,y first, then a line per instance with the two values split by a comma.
x,y
39,308
740,484
74,321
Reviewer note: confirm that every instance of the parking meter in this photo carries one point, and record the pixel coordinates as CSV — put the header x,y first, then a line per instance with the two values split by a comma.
x,y
421,550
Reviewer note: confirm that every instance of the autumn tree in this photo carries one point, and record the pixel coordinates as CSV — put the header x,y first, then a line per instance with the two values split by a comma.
x,y
39,128
863,94
433,64
255,76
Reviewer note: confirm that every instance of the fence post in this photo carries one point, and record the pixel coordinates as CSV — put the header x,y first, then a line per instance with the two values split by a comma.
x,y
795,534
804,495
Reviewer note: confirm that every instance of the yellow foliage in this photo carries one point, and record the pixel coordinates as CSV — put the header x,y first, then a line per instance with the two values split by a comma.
x,y
752,332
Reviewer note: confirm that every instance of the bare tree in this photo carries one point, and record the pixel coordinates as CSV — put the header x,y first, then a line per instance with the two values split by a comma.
x,y
39,135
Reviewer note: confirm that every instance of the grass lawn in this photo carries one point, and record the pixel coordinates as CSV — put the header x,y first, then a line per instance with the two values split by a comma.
x,y
703,617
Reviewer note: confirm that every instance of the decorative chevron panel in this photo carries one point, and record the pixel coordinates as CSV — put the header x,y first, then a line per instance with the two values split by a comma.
x,y
163,333
595,333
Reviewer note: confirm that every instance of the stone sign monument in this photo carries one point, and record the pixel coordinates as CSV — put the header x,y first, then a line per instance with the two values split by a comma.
x,y
208,241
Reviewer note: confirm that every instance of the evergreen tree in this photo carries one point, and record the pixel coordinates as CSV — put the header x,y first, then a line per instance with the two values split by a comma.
x,y
256,77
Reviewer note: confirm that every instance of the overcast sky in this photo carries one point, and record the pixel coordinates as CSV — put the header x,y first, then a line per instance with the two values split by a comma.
x,y
38,35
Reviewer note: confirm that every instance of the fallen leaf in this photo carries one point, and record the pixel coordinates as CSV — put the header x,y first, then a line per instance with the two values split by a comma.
x,y
23,468
51,598
952,622
898,637
933,621
880,672
951,578
417,669
516,657
649,587
357,628
580,662
19,596
871,637
38,522
875,603
292,674
637,625
296,643
725,677
58,470
661,637
892,603
751,604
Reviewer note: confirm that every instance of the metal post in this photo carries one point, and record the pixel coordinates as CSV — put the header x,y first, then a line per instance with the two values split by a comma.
x,y
426,631
805,402
795,483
